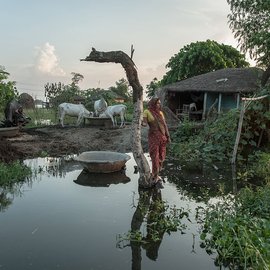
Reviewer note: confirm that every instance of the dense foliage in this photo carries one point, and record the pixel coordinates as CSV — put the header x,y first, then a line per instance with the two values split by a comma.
x,y
214,142
237,229
152,87
8,89
57,93
249,20
122,89
255,127
202,57
12,173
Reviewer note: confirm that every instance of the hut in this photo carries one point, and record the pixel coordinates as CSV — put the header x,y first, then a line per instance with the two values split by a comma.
x,y
26,101
220,90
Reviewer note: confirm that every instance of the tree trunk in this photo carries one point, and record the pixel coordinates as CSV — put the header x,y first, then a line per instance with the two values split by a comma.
x,y
132,76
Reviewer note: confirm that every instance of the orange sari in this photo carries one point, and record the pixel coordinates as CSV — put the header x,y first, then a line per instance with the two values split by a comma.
x,y
157,138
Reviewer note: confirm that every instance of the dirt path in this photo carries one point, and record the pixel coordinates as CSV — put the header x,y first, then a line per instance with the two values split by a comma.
x,y
56,141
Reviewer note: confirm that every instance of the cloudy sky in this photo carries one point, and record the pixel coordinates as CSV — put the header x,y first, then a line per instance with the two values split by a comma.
x,y
42,41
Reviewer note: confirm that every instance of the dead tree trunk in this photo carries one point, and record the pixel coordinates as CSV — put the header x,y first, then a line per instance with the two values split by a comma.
x,y
132,76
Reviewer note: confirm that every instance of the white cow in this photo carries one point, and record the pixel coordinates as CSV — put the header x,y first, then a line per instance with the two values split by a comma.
x,y
100,106
73,110
113,111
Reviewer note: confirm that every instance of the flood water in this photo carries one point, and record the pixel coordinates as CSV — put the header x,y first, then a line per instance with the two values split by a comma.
x,y
60,219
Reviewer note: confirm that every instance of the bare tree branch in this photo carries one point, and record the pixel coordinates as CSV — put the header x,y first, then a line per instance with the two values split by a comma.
x,y
132,76
132,51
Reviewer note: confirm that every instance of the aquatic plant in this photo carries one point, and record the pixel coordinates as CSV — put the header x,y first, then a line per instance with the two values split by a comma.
x,y
14,172
237,228
152,219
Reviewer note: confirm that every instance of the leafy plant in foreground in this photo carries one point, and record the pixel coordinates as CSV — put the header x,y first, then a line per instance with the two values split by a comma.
x,y
15,172
238,229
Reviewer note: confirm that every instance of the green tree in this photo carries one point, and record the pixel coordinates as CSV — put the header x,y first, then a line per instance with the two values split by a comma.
x,y
202,57
121,89
57,93
52,91
152,87
77,77
8,89
250,23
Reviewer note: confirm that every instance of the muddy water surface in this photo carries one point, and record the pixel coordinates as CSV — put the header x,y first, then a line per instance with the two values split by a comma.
x,y
60,219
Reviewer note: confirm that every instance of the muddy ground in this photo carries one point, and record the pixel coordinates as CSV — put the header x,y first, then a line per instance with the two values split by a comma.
x,y
57,141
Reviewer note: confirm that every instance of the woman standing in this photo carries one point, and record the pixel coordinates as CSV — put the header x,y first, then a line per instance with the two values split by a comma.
x,y
158,137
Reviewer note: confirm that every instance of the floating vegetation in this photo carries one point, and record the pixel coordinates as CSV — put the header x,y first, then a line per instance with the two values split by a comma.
x,y
152,219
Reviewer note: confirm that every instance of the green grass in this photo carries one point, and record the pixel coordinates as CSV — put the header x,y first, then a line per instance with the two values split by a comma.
x,y
13,173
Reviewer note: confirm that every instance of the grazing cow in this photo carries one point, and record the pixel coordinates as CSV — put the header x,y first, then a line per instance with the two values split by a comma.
x,y
100,106
14,114
73,110
113,111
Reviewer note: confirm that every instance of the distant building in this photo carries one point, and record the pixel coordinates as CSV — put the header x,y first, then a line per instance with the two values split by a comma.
x,y
41,104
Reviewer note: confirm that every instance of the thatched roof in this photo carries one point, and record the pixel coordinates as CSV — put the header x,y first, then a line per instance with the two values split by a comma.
x,y
224,80
26,101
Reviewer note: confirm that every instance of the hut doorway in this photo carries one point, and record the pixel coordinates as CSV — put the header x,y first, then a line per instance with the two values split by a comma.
x,y
179,102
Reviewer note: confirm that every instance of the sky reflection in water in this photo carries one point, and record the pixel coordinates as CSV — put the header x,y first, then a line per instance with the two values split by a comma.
x,y
59,221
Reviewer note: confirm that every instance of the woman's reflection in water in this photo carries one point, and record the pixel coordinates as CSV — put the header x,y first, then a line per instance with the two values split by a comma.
x,y
150,207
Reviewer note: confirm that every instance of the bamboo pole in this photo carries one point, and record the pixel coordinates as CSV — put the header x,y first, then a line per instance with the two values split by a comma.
x,y
240,123
245,104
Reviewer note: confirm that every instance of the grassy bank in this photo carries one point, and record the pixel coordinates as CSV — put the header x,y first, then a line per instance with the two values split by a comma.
x,y
12,173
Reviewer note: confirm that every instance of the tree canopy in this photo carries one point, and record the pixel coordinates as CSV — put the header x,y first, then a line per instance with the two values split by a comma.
x,y
152,87
77,77
202,57
57,93
122,89
8,89
250,23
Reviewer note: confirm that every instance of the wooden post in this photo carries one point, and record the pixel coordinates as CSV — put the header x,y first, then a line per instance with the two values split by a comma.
x,y
240,123
204,106
238,101
219,102
245,104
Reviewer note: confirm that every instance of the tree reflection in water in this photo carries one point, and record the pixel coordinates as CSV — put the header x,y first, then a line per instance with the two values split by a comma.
x,y
199,182
10,191
151,219
151,207
5,200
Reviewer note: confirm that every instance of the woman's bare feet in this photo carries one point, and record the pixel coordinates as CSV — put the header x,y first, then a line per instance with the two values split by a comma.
x,y
157,182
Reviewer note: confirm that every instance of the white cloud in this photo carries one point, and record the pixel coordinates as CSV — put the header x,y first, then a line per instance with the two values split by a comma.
x,y
47,61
